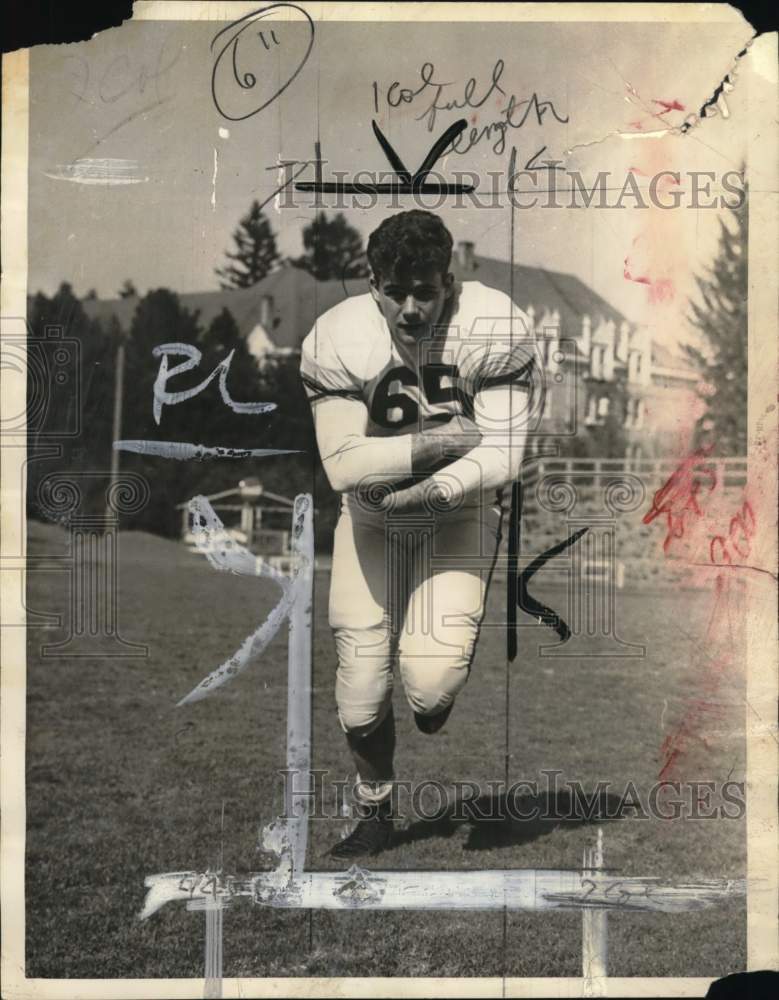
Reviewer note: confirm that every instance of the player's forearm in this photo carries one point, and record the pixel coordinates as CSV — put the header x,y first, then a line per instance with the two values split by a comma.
x,y
485,468
360,457
502,419
494,462
430,450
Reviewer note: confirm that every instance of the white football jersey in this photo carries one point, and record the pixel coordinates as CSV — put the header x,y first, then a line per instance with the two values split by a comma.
x,y
483,340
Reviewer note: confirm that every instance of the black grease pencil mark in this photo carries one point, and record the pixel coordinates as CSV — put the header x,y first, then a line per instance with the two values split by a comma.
x,y
407,183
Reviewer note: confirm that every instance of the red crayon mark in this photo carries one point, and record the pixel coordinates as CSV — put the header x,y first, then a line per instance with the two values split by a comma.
x,y
669,105
706,707
698,711
660,289
740,530
640,280
718,645
677,500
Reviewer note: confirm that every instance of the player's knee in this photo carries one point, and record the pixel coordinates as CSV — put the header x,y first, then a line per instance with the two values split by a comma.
x,y
363,699
360,718
430,689
363,687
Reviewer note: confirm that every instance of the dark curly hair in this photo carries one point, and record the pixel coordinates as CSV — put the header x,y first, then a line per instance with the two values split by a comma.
x,y
408,241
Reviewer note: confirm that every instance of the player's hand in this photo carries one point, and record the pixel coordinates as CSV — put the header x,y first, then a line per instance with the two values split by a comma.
x,y
432,449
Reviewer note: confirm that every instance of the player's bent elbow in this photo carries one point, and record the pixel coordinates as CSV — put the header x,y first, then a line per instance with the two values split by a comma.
x,y
339,480
343,476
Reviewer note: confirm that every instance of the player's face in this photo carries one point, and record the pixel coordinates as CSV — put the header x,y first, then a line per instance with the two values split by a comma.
x,y
412,303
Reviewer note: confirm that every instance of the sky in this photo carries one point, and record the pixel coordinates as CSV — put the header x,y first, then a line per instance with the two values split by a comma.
x,y
134,173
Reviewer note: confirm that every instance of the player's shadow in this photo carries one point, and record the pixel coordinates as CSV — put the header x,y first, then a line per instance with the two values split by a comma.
x,y
498,820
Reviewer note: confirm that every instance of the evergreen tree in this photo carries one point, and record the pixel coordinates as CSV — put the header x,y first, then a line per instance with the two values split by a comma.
x,y
70,381
333,249
128,290
255,251
221,337
721,317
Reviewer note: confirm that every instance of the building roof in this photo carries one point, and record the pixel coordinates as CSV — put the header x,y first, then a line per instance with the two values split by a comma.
x,y
297,299
542,289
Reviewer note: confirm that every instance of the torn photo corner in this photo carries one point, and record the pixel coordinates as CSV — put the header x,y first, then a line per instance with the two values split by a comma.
x,y
389,483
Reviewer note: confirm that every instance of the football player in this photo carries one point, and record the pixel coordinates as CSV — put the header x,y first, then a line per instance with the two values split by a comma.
x,y
420,396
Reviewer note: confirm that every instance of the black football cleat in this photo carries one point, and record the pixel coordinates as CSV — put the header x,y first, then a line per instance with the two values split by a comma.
x,y
370,836
432,723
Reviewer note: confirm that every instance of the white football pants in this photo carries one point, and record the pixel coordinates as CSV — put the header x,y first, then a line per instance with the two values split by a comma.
x,y
409,589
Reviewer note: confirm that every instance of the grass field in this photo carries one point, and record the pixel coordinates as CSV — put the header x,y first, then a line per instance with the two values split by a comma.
x,y
122,784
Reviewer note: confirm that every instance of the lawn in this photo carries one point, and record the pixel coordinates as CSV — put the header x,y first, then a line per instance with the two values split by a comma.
x,y
122,784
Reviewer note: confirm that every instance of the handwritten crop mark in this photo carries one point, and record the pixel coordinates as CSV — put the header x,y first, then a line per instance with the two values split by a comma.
x,y
223,85
408,183
517,595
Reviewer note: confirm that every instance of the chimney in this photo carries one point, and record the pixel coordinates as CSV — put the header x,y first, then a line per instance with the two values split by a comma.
x,y
465,256
266,311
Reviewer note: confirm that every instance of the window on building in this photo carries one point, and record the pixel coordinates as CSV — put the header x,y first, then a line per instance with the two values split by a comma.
x,y
639,417
603,407
591,415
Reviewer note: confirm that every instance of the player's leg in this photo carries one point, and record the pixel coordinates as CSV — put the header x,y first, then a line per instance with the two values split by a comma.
x,y
363,688
364,700
363,694
444,613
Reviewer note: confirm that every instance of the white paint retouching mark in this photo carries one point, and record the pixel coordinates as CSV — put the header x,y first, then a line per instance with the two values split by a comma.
x,y
99,170
213,179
